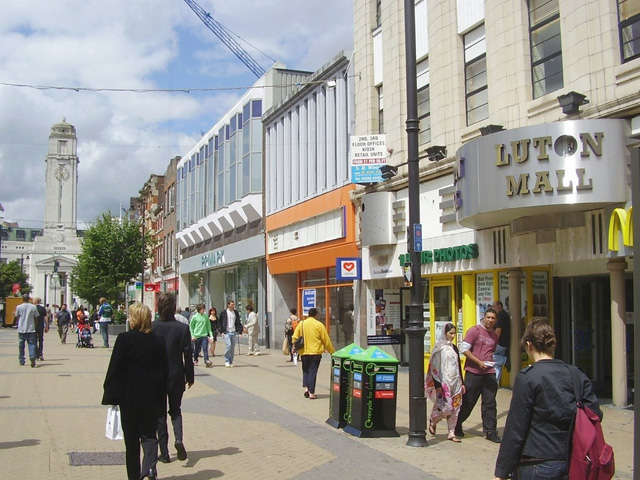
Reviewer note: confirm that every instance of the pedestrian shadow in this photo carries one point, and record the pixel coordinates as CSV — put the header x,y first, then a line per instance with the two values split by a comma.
x,y
28,442
196,456
203,475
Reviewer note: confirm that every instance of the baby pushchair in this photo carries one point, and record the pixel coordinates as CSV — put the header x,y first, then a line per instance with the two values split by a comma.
x,y
84,336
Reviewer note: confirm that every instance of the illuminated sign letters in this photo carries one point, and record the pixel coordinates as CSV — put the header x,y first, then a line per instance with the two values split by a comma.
x,y
213,259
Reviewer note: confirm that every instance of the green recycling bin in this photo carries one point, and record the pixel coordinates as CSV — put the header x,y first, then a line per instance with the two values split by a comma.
x,y
340,394
373,384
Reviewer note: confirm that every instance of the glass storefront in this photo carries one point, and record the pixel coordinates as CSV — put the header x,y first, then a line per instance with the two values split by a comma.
x,y
239,282
333,300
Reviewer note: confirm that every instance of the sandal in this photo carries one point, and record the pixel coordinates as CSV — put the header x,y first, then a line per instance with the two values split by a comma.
x,y
453,438
432,429
312,396
306,394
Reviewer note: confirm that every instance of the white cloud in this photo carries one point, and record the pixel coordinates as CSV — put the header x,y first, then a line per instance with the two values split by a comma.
x,y
125,137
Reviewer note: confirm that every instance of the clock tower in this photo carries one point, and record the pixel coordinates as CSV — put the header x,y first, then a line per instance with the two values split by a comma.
x,y
61,205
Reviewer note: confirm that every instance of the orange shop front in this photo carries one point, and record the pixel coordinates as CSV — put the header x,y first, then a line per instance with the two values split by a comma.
x,y
303,244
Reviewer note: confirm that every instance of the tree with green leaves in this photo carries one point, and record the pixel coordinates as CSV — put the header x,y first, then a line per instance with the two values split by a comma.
x,y
112,255
10,273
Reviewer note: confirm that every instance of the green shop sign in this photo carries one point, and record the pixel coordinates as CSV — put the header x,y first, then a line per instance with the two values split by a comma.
x,y
447,254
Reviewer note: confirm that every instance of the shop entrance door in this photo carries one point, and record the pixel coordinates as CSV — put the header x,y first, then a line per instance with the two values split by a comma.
x,y
584,317
442,308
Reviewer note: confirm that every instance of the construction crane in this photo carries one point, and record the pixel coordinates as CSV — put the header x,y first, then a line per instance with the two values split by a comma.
x,y
227,39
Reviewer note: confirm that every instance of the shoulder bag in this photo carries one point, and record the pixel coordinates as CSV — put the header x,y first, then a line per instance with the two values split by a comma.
x,y
299,343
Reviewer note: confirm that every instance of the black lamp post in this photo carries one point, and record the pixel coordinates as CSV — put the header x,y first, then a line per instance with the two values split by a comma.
x,y
415,330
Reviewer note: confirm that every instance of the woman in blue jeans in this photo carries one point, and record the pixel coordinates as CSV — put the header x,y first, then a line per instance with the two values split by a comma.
x,y
537,432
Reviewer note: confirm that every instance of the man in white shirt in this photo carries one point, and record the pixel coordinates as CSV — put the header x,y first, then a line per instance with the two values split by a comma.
x,y
26,314
230,328
179,317
252,328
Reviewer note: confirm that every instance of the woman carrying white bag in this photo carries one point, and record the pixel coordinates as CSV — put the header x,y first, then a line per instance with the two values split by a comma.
x,y
114,424
136,381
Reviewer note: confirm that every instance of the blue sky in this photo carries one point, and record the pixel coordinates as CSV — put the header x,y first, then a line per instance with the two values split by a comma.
x,y
124,137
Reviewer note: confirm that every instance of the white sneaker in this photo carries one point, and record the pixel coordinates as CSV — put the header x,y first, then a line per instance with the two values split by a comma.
x,y
249,354
227,364
231,365
256,353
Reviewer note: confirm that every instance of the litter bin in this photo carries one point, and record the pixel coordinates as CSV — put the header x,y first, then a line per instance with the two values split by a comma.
x,y
340,394
373,382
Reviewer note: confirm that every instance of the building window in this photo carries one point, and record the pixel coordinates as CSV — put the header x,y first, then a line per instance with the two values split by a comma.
x,y
475,72
424,103
546,46
380,110
629,18
378,13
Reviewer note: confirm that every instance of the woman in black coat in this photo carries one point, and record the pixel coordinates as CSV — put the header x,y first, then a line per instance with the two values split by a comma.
x,y
137,381
543,403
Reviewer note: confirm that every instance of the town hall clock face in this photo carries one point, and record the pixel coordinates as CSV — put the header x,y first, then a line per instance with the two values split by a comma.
x,y
62,174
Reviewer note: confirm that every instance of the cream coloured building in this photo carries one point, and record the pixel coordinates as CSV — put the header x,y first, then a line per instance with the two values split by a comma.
x,y
527,110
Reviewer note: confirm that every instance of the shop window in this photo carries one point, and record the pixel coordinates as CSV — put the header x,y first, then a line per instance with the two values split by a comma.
x,y
196,288
312,278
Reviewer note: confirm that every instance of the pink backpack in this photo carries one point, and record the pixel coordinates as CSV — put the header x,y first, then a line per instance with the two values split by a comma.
x,y
591,457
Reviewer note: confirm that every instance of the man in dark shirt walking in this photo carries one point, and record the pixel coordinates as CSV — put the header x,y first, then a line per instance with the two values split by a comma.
x,y
64,318
180,357
42,327
503,331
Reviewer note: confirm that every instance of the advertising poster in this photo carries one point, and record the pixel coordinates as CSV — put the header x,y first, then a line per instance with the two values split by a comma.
x,y
308,300
366,155
384,308
484,293
540,294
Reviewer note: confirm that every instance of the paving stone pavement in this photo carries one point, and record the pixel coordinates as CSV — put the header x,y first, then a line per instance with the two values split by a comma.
x,y
244,422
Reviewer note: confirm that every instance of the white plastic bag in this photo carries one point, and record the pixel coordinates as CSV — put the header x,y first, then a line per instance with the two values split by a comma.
x,y
114,425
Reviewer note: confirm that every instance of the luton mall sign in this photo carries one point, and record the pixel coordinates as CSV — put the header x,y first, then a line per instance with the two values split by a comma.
x,y
564,166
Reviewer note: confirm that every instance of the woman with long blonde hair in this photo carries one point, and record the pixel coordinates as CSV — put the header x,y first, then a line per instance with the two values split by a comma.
x,y
136,381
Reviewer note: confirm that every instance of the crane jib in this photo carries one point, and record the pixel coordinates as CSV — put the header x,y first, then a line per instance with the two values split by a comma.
x,y
221,32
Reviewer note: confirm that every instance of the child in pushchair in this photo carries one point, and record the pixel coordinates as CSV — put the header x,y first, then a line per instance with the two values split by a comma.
x,y
84,335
